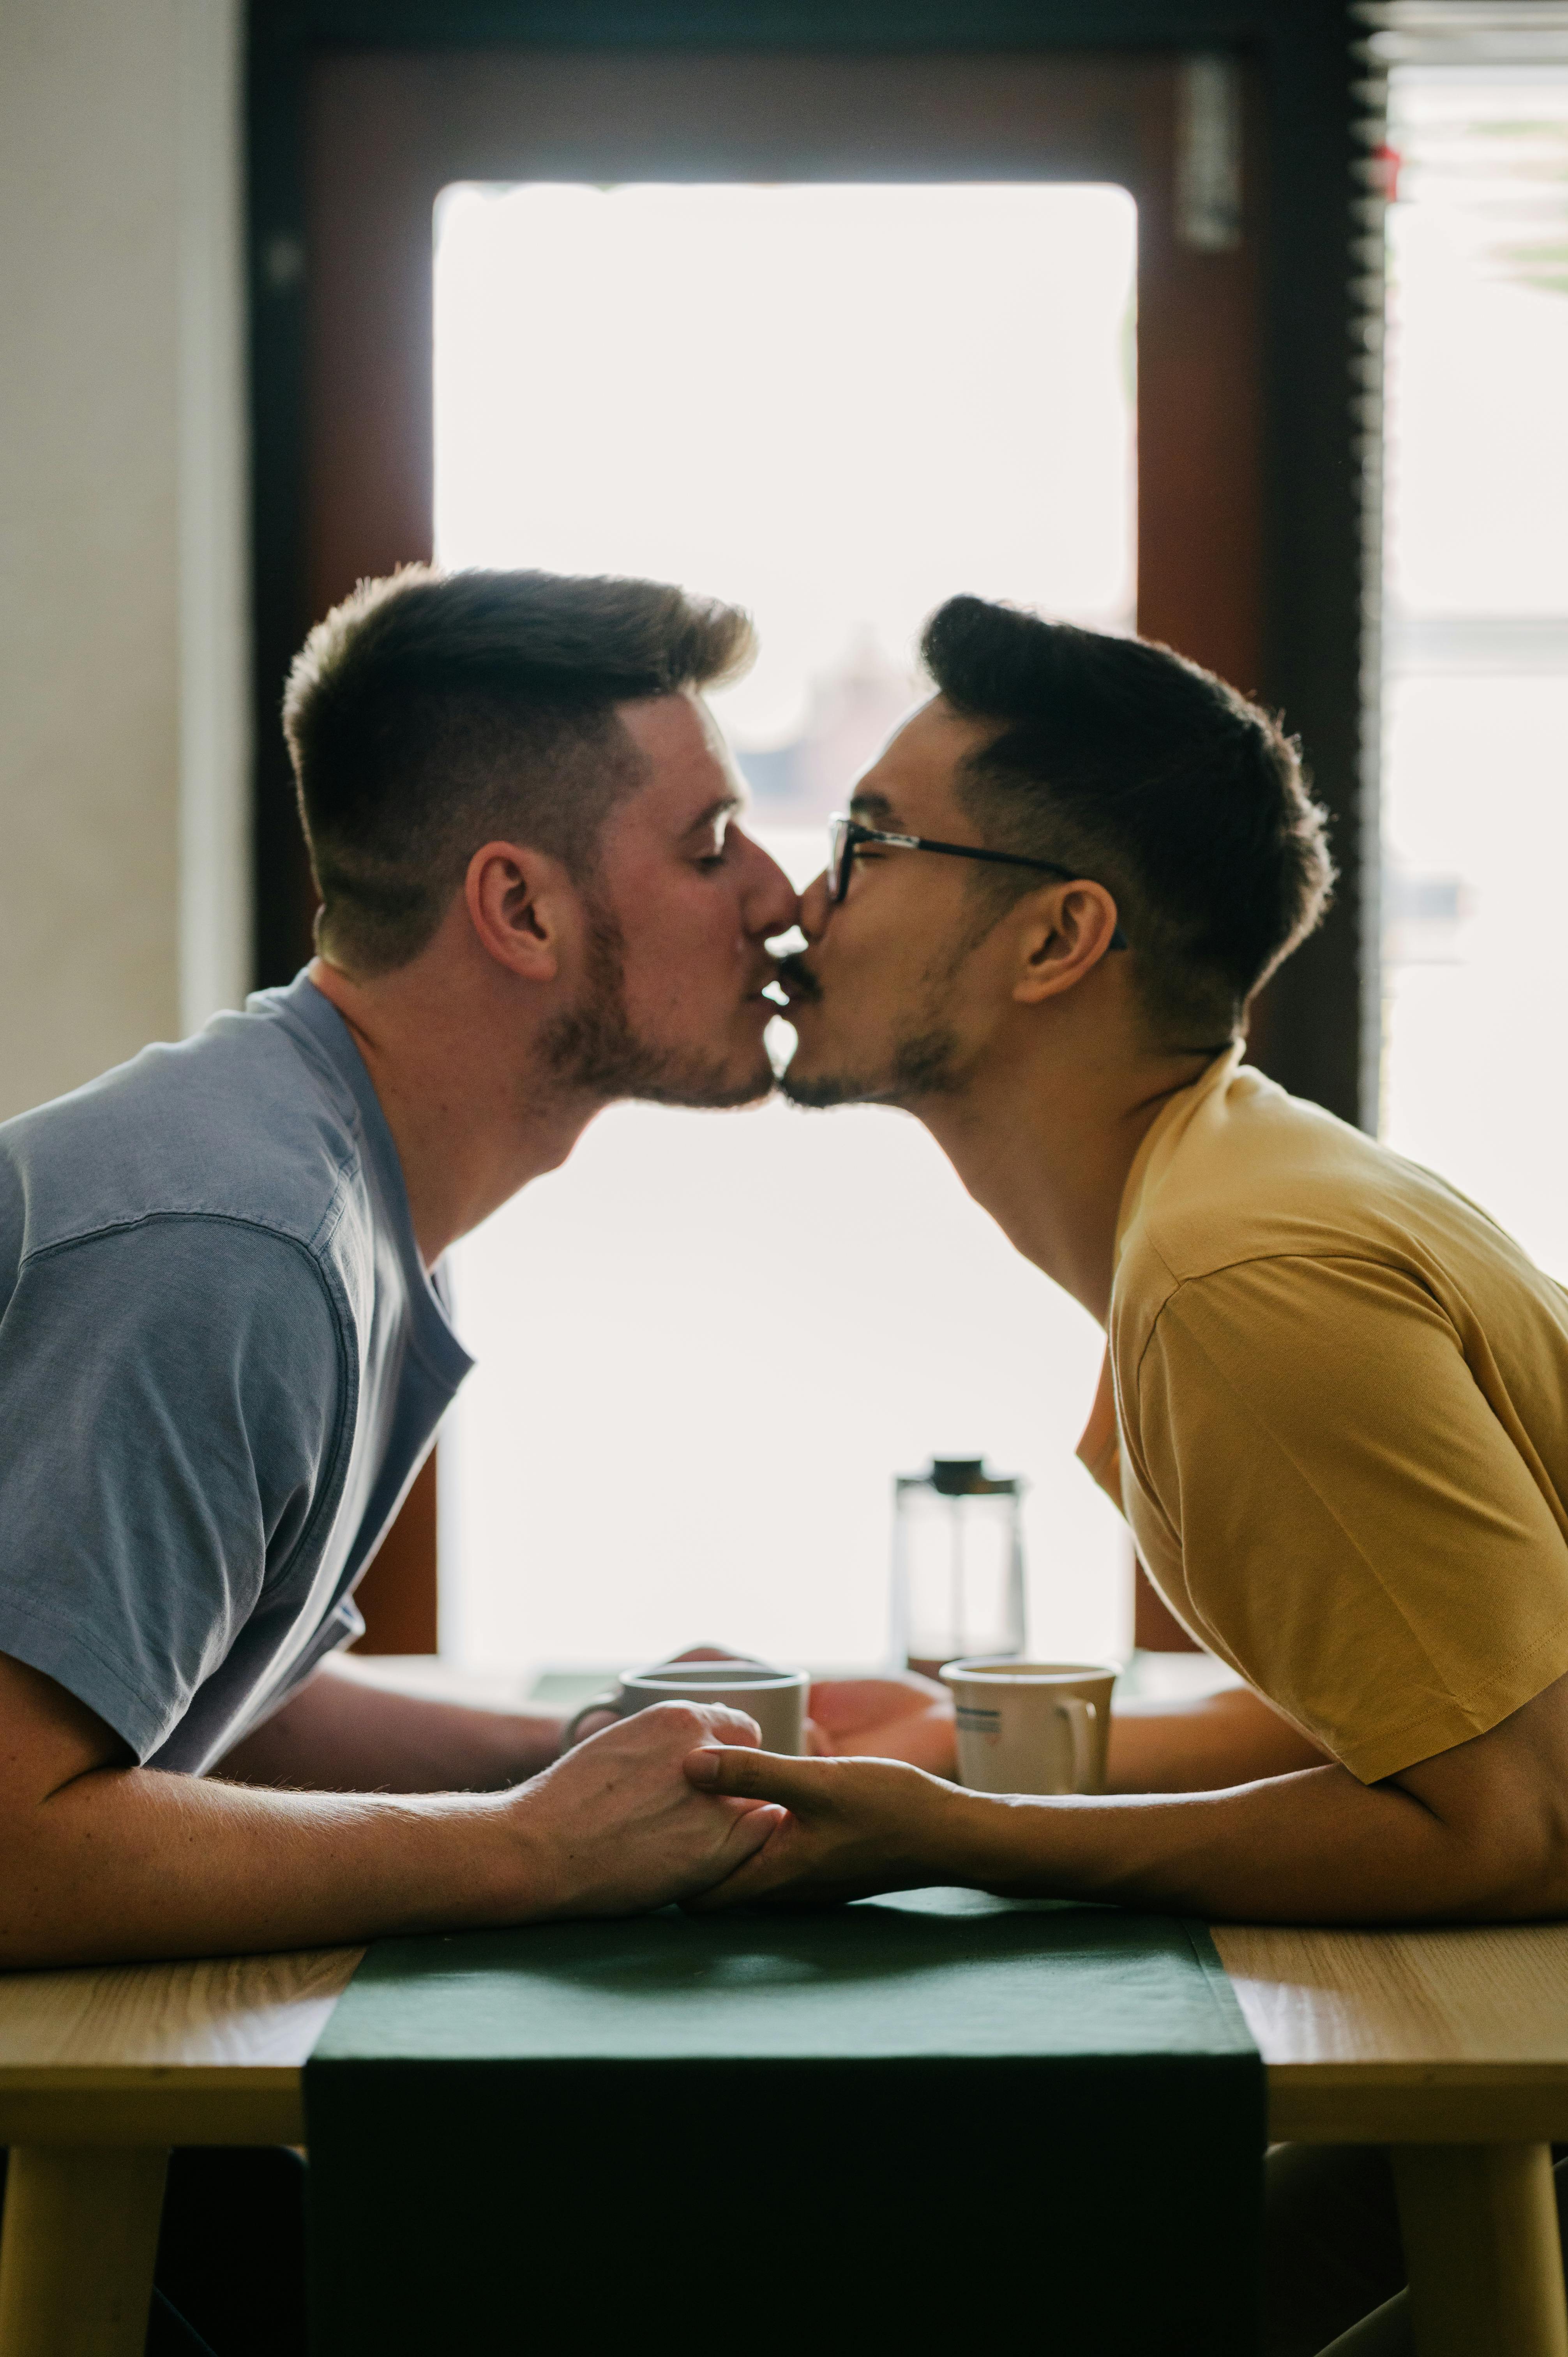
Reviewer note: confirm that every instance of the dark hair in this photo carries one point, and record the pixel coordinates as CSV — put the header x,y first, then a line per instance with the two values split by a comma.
x,y
1117,757
432,711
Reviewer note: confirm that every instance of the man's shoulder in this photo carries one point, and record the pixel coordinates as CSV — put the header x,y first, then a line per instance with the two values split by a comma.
x,y
1252,1173
241,1123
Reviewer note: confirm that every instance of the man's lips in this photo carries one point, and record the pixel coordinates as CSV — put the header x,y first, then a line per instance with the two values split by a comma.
x,y
796,980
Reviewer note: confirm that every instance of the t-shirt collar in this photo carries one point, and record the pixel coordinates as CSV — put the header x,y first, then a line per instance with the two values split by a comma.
x,y
1171,1117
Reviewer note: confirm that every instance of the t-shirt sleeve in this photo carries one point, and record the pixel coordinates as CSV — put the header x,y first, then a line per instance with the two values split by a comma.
x,y
170,1396
1359,1530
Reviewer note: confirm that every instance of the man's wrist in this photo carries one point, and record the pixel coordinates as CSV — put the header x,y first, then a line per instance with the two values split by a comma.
x,y
995,1840
945,1834
516,1865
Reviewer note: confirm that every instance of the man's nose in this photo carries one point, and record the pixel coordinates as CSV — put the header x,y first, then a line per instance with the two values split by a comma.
x,y
815,907
773,903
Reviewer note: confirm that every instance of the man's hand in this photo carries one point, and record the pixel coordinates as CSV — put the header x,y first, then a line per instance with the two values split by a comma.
x,y
897,1716
854,1827
617,1826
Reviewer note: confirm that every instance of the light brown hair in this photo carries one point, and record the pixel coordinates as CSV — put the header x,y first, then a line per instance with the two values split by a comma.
x,y
431,712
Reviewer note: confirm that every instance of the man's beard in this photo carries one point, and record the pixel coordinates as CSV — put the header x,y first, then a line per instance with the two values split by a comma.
x,y
924,1064
595,1050
927,1059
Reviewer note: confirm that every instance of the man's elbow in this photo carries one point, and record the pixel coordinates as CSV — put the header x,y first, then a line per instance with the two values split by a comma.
x,y
30,1911
53,1909
1513,1868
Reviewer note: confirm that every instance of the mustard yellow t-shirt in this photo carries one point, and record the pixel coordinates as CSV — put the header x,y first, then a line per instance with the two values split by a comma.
x,y
1341,1399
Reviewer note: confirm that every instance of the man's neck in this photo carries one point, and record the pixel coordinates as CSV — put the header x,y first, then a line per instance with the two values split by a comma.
x,y
470,1127
1048,1153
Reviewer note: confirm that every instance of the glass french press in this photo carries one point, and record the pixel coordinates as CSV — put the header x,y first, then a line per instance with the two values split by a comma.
x,y
958,1564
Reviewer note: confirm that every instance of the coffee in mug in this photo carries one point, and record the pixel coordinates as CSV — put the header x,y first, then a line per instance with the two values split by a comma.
x,y
1030,1726
776,1699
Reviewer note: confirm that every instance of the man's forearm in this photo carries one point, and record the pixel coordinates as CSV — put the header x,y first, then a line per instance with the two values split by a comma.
x,y
125,1862
1313,1848
1231,1738
100,1860
343,1733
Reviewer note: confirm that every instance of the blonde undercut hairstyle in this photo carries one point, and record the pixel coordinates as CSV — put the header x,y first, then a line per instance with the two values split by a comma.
x,y
433,711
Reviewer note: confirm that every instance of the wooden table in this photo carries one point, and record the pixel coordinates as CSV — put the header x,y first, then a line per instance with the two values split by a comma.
x,y
1451,2047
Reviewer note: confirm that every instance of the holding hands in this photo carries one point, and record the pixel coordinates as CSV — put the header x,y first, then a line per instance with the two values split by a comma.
x,y
678,1802
853,1827
615,1826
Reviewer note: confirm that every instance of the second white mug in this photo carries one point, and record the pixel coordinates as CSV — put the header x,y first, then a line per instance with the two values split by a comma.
x,y
1031,1727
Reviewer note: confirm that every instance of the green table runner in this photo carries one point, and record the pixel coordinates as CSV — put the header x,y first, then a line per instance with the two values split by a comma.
x,y
939,2120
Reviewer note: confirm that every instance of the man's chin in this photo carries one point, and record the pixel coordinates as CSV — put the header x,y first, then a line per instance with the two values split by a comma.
x,y
923,1065
706,1088
819,1092
595,1052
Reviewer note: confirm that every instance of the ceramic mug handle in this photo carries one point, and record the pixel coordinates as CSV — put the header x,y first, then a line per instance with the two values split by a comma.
x,y
1081,1715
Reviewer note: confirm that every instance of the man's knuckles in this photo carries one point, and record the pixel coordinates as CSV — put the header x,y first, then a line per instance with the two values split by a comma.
x,y
680,1726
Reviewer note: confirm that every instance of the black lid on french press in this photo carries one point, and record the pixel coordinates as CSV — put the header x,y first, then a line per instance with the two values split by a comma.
x,y
966,1476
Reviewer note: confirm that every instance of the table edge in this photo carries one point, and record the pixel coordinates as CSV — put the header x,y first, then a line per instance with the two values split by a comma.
x,y
151,2105
1418,2103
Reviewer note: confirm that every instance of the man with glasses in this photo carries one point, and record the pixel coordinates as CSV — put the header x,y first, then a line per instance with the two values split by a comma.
x,y
1335,1404
845,836
1334,1401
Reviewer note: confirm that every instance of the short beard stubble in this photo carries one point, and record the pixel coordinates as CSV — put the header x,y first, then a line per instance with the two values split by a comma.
x,y
927,1059
594,1050
924,1064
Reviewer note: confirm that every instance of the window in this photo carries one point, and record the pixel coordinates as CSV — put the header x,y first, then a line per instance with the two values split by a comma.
x,y
708,1344
1476,751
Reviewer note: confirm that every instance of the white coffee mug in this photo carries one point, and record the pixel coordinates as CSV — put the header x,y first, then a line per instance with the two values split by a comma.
x,y
1030,1726
776,1699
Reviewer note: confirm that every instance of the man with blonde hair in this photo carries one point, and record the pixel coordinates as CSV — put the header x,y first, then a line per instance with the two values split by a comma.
x,y
224,1336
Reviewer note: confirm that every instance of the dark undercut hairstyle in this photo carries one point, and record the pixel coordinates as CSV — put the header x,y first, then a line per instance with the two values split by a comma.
x,y
1126,763
432,712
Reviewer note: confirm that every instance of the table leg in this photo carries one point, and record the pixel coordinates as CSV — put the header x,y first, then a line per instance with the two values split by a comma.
x,y
76,2258
1479,2224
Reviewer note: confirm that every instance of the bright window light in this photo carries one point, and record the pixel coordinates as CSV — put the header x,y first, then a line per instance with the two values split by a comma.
x,y
707,1346
1476,744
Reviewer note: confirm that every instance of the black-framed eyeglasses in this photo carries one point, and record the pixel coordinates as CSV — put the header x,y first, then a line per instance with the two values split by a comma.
x,y
844,834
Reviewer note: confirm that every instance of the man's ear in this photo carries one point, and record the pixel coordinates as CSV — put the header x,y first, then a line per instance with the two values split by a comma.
x,y
522,907
1066,931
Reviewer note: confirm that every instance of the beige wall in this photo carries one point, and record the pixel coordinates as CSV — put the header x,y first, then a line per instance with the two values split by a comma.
x,y
122,751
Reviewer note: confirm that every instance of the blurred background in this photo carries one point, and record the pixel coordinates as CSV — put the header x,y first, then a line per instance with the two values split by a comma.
x,y
785,1307
1245,327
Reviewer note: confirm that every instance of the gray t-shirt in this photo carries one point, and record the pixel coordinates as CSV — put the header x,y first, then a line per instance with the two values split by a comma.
x,y
221,1364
